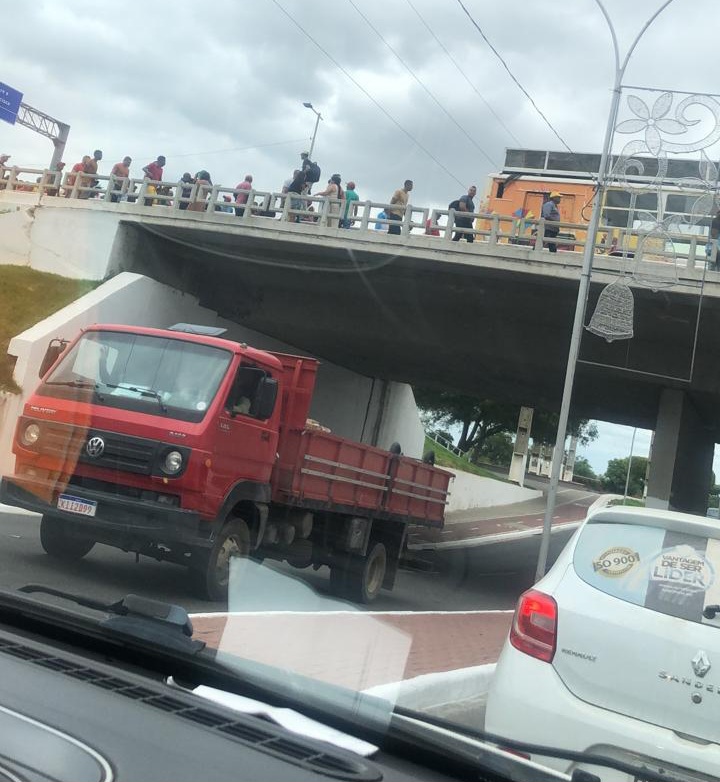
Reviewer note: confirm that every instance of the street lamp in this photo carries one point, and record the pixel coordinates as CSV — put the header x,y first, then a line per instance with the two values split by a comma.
x,y
584,286
318,117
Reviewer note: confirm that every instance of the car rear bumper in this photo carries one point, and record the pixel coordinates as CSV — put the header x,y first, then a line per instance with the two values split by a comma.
x,y
119,521
529,702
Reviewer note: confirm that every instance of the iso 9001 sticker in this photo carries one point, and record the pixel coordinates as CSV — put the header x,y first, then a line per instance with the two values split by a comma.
x,y
616,561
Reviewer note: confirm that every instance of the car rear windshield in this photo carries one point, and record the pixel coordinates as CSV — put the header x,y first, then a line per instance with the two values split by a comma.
x,y
673,572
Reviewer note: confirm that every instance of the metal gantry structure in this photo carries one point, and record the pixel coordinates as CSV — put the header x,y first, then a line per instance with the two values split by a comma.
x,y
46,126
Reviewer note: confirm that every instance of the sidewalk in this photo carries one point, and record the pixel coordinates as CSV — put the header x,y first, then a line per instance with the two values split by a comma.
x,y
484,526
360,650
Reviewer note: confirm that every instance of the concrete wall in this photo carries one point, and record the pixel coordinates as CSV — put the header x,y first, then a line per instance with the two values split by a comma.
x,y
61,241
474,491
345,401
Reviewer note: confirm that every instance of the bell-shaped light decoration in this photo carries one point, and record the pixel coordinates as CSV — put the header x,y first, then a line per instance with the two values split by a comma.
x,y
655,264
613,316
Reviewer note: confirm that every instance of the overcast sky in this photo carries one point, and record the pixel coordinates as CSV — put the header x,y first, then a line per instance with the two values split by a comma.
x,y
221,85
188,79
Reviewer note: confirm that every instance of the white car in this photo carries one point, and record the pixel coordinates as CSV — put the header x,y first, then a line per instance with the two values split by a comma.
x,y
616,651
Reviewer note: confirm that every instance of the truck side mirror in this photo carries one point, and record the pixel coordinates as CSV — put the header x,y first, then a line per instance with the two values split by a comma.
x,y
265,398
54,349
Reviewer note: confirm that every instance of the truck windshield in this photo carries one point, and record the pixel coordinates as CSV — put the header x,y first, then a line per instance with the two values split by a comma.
x,y
167,377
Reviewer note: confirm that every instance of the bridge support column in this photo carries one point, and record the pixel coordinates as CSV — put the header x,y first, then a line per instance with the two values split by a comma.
x,y
682,455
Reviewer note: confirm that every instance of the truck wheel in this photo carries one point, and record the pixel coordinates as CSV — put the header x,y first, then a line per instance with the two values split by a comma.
x,y
211,581
58,543
362,578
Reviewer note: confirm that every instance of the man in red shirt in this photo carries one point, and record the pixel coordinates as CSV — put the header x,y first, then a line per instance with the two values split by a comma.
x,y
154,172
242,198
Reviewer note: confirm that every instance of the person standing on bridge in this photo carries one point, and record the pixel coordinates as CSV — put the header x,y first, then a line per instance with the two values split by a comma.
x,y
350,206
399,201
187,181
334,193
242,198
203,180
153,172
464,204
295,190
551,215
91,168
121,172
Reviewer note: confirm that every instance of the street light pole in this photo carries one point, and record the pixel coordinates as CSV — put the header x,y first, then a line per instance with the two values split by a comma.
x,y
584,286
318,117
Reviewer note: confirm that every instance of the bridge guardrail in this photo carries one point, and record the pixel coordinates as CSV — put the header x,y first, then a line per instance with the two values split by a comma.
x,y
488,228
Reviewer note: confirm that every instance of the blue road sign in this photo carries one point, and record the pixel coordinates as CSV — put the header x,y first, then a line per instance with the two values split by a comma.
x,y
10,101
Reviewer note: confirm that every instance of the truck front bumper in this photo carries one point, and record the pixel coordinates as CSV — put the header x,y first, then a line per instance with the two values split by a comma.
x,y
118,521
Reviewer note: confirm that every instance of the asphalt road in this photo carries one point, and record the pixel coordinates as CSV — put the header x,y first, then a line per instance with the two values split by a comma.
x,y
489,577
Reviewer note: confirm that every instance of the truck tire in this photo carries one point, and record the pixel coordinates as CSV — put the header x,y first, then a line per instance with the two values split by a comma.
x,y
58,543
362,578
211,580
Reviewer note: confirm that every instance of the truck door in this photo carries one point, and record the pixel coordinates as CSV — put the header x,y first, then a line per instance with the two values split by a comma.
x,y
246,444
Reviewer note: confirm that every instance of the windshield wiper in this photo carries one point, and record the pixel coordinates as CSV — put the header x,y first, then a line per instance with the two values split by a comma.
x,y
578,775
142,391
72,383
163,624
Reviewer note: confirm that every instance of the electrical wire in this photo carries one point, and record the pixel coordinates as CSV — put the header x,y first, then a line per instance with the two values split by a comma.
x,y
231,149
368,95
462,73
512,75
423,85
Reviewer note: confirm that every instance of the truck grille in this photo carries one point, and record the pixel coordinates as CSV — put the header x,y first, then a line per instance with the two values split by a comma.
x,y
119,451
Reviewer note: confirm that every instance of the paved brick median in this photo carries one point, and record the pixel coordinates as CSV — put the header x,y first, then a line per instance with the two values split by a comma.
x,y
359,650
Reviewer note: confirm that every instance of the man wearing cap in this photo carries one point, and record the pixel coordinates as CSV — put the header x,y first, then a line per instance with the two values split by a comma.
x,y
551,215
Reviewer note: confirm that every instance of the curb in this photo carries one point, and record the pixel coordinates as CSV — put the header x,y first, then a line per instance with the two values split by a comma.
x,y
437,691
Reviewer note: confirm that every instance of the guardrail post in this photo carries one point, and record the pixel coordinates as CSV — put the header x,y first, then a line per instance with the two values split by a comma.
x,y
324,211
109,188
365,219
247,211
406,228
692,251
494,229
450,223
540,238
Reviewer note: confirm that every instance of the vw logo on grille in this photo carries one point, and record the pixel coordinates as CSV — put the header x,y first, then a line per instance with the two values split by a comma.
x,y
701,664
95,447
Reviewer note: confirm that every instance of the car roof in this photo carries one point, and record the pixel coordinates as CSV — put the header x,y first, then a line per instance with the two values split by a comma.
x,y
651,517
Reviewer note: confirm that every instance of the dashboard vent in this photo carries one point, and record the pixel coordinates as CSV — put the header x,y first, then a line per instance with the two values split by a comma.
x,y
265,737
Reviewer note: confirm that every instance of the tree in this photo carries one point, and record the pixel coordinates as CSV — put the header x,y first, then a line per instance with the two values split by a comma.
x,y
583,469
497,449
616,474
481,419
478,418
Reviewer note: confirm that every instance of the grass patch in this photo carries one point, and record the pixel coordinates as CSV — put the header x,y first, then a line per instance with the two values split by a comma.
x,y
27,297
630,502
444,458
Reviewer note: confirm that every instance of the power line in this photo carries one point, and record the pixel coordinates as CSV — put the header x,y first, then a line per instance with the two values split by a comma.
x,y
368,95
462,73
232,149
512,75
422,84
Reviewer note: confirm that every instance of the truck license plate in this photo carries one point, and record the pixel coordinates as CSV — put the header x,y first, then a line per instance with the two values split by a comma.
x,y
76,505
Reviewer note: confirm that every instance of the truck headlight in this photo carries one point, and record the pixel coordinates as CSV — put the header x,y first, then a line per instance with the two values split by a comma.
x,y
30,435
173,462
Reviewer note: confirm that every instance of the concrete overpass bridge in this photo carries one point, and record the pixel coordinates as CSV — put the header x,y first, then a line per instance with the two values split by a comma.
x,y
490,318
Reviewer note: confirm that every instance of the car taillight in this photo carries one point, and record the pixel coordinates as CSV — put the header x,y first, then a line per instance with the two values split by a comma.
x,y
534,627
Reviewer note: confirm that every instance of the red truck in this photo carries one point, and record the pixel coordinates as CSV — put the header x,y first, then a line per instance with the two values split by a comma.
x,y
183,446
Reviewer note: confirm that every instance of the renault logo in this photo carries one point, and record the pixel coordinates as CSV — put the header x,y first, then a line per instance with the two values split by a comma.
x,y
700,664
95,447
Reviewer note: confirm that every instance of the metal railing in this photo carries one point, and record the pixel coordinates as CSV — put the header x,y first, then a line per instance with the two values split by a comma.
x,y
683,249
443,442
